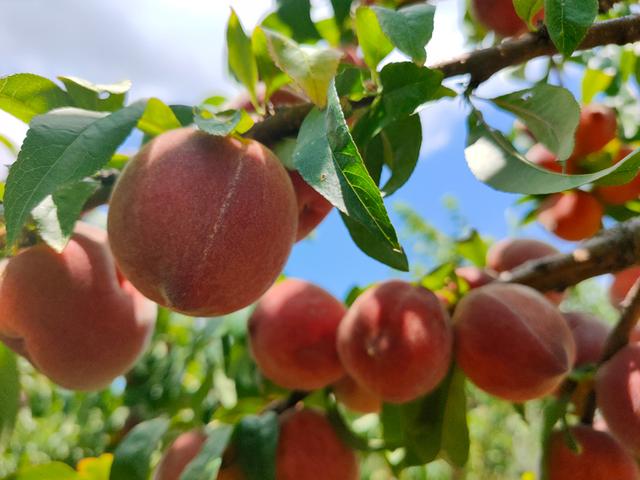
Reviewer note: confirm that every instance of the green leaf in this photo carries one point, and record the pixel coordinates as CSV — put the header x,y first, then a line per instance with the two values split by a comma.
x,y
374,43
56,215
95,468
62,147
48,471
350,83
256,439
157,118
99,98
25,95
455,431
133,456
241,59
473,248
494,161
329,31
9,393
550,112
568,21
594,82
183,113
208,461
526,9
2,186
8,143
311,68
222,123
409,29
341,10
296,14
272,77
328,159
404,138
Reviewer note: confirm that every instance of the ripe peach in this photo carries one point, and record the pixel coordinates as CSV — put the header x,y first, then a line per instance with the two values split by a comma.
x,y
500,16
601,457
474,276
355,397
620,194
71,314
309,448
543,157
618,395
395,341
590,336
622,283
598,126
512,342
572,216
292,335
202,224
312,207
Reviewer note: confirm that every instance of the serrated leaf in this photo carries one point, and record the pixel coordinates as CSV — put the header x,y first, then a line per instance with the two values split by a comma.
x,y
409,28
241,59
494,161
594,82
222,123
328,159
550,112
256,439
62,147
157,118
132,457
526,9
404,138
374,43
48,471
25,95
99,98
56,215
207,463
296,14
311,68
9,393
567,22
272,77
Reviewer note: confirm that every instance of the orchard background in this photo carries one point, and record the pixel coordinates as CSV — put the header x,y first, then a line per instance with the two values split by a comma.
x,y
424,142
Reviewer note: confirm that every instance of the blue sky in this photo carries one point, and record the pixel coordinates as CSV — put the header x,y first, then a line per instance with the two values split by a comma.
x,y
174,49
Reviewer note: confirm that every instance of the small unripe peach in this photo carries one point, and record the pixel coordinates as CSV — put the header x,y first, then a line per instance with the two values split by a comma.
x,y
309,449
512,342
71,314
598,126
293,335
622,283
500,16
590,336
601,457
620,194
618,396
355,397
202,224
572,216
312,207
395,341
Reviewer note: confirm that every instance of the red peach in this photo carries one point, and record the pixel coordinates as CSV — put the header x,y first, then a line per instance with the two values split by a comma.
x,y
312,207
573,216
620,194
501,17
474,276
622,283
590,336
355,397
598,126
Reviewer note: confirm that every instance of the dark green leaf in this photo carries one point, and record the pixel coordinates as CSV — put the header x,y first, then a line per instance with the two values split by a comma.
x,y
62,147
350,83
157,118
455,431
222,123
133,456
99,98
25,95
183,113
409,29
526,9
404,138
241,59
9,393
296,14
550,112
255,439
568,21
374,43
341,10
208,461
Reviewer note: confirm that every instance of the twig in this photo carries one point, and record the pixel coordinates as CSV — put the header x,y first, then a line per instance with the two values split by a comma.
x,y
281,406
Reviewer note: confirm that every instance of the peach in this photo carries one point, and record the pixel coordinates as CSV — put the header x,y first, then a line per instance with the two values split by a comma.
x,y
618,396
598,126
620,194
543,157
292,335
512,342
573,216
396,341
202,224
601,457
474,276
355,397
71,314
309,448
312,207
590,336
622,283
500,16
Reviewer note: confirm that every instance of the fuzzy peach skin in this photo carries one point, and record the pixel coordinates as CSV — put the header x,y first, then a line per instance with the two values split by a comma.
x,y
622,283
598,126
573,216
71,314
590,336
474,276
355,397
601,457
500,16
310,449
618,396
312,207
292,335
202,224
512,342
396,341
